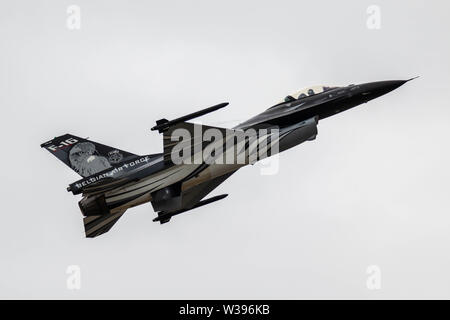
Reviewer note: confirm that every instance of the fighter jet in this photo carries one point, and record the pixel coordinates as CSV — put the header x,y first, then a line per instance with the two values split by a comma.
x,y
196,158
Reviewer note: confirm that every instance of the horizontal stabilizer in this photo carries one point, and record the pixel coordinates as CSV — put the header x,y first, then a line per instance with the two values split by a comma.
x,y
98,225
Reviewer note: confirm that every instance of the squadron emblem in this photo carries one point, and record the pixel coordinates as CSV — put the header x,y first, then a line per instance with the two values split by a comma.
x,y
115,156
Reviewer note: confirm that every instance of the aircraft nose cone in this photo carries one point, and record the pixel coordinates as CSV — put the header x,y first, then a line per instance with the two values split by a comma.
x,y
385,86
373,90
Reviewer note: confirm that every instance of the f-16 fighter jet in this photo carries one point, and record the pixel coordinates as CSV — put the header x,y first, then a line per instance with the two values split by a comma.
x,y
195,158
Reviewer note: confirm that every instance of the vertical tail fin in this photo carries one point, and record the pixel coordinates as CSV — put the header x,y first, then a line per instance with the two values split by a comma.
x,y
84,156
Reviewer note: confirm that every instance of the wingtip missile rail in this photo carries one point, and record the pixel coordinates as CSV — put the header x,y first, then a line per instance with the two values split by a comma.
x,y
163,124
164,217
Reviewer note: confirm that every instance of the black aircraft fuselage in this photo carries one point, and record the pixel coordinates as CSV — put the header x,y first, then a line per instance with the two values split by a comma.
x,y
114,180
324,104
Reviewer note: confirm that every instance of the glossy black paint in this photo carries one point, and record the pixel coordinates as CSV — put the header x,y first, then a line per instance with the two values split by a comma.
x,y
323,105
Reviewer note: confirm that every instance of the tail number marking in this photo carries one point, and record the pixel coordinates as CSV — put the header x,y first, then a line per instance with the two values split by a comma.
x,y
62,144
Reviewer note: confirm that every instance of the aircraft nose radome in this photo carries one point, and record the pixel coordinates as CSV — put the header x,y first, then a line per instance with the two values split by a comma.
x,y
376,89
387,86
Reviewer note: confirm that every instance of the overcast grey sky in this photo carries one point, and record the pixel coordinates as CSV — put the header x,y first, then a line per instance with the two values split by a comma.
x,y
372,189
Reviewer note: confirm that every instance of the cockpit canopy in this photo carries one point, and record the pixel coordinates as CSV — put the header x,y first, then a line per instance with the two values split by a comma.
x,y
305,92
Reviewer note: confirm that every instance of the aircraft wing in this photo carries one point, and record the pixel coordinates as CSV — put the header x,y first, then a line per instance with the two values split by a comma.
x,y
189,144
186,135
